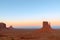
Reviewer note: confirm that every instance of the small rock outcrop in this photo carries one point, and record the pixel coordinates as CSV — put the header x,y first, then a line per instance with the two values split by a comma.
x,y
11,27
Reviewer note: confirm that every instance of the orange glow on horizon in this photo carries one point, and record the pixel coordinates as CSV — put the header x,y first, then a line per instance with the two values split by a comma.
x,y
31,23
24,23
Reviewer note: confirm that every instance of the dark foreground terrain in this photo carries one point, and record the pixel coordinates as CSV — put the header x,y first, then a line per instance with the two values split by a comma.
x,y
18,34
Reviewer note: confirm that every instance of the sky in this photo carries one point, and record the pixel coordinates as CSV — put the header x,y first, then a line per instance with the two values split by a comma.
x,y
30,12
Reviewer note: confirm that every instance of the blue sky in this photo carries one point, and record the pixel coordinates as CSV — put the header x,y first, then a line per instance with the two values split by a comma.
x,y
26,10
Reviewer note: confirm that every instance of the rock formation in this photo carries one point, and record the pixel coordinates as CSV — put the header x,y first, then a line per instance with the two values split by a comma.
x,y
2,25
11,27
46,27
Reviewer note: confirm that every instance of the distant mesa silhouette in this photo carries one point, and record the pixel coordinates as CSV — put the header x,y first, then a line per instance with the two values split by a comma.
x,y
2,25
46,27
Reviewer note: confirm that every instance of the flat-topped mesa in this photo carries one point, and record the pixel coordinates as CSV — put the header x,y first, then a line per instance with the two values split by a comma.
x,y
2,25
46,27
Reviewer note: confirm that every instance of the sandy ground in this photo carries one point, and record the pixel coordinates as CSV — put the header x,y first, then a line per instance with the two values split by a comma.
x,y
16,34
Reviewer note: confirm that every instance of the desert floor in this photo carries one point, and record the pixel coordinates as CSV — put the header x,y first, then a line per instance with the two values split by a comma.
x,y
19,34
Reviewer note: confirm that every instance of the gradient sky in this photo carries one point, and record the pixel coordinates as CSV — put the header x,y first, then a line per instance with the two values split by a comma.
x,y
29,12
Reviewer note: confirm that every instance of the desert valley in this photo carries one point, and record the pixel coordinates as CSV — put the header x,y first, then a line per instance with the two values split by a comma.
x,y
45,33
